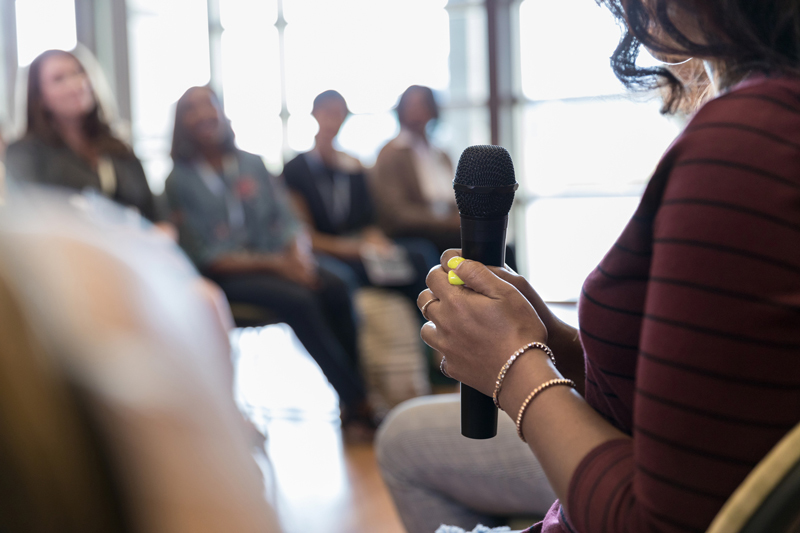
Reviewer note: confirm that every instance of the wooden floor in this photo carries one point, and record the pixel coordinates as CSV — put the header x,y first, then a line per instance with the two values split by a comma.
x,y
315,482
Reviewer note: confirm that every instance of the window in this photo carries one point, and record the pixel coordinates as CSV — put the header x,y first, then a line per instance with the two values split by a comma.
x,y
369,51
42,25
586,147
169,52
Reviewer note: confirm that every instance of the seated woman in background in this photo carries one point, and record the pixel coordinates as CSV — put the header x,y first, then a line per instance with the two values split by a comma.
x,y
68,142
413,179
684,372
331,192
236,224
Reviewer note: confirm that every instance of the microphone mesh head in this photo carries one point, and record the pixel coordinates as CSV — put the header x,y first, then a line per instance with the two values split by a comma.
x,y
485,166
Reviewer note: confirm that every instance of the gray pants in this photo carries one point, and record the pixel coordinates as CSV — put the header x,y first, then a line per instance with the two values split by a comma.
x,y
436,476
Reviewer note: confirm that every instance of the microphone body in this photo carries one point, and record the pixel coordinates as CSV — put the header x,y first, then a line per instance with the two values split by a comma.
x,y
484,188
484,241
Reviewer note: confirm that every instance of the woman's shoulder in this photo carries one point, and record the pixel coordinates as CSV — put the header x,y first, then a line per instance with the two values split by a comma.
x,y
761,101
296,166
28,145
348,163
742,148
249,158
252,164
755,123
182,172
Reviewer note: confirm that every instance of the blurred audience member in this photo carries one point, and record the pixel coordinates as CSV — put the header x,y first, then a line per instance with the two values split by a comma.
x,y
115,410
331,192
68,142
413,180
235,222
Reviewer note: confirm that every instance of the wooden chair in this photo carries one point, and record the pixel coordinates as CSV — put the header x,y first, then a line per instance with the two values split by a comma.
x,y
769,498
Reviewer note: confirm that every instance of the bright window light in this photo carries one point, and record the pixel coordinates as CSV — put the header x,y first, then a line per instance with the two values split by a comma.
x,y
168,46
42,25
369,51
587,147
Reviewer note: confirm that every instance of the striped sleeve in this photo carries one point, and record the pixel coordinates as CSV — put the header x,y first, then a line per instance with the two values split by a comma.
x,y
718,371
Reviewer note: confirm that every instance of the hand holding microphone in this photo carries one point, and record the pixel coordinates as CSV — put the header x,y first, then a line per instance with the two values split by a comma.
x,y
484,187
478,326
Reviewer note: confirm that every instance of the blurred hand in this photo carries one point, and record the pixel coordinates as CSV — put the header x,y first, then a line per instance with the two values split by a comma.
x,y
167,229
297,264
375,237
478,325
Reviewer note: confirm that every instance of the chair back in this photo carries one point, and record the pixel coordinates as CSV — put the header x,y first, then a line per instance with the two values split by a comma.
x,y
768,500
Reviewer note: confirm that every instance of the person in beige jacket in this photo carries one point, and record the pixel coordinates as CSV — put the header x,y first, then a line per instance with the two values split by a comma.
x,y
412,178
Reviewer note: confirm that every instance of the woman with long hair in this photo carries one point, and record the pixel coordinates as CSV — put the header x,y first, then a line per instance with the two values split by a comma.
x,y
235,222
684,372
68,141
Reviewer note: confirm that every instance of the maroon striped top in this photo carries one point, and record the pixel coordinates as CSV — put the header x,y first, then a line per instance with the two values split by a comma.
x,y
691,323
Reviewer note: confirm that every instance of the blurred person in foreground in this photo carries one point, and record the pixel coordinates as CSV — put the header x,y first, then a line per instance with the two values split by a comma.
x,y
236,223
413,179
331,192
68,141
115,406
684,372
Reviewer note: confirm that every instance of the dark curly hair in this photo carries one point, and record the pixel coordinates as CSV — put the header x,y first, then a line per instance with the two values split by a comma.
x,y
430,100
184,147
743,36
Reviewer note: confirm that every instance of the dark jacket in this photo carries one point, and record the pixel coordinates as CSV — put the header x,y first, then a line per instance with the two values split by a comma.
x,y
31,160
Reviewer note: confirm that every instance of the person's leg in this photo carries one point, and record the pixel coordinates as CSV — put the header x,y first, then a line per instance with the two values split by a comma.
x,y
336,300
423,256
436,476
299,307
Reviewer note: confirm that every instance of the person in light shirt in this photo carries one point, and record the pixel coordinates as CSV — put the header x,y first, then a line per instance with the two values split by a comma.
x,y
413,179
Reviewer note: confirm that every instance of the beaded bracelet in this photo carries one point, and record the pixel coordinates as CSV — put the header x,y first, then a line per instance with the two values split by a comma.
x,y
532,395
502,375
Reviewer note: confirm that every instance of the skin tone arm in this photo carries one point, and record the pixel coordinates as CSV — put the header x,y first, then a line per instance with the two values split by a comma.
x,y
478,326
295,263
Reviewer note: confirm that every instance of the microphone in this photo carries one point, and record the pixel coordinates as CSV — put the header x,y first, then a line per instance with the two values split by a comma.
x,y
484,187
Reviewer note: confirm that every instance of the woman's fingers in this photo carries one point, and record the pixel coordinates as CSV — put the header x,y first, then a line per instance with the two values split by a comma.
x,y
480,279
424,301
447,256
429,336
438,284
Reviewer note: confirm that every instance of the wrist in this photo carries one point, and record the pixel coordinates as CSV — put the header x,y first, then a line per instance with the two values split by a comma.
x,y
526,374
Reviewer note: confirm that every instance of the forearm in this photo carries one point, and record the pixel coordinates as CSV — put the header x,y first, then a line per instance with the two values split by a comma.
x,y
559,426
244,263
341,247
566,345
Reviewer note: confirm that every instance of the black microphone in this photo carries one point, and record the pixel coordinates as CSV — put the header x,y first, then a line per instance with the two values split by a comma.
x,y
484,187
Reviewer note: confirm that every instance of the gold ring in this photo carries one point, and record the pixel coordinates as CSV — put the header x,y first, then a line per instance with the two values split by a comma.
x,y
425,306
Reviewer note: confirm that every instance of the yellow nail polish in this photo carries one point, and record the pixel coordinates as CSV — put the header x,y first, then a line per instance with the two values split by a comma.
x,y
454,262
453,278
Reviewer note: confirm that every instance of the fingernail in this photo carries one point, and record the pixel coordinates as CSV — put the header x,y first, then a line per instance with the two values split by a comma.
x,y
453,278
454,262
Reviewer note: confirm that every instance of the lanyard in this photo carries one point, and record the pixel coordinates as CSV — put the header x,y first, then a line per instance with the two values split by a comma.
x,y
222,185
334,190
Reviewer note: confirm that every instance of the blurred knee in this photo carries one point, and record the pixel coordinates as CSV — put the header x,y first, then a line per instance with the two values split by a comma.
x,y
410,429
